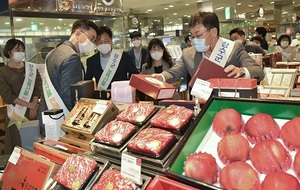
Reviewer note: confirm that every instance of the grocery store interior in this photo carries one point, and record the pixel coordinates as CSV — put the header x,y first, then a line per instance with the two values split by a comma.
x,y
217,128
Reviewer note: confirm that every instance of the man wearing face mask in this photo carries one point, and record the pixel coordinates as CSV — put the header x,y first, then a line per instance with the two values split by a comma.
x,y
108,65
64,66
205,31
288,53
21,87
238,35
137,53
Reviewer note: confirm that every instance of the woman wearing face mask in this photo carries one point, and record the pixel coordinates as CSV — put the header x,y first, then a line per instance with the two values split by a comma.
x,y
19,79
296,42
288,53
158,60
108,65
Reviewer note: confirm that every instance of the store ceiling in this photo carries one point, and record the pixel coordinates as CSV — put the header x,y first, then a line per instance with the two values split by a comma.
x,y
173,11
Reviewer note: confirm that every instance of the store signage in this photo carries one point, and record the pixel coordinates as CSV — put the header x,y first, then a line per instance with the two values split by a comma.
x,y
105,7
54,39
131,168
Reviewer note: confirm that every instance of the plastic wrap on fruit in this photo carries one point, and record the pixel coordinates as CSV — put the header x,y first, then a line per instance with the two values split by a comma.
x,y
115,132
112,179
172,117
75,171
136,113
151,141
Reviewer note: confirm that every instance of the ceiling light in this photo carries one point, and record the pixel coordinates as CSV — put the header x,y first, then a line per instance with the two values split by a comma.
x,y
238,4
199,1
167,18
41,23
174,14
171,6
219,8
7,23
18,19
272,2
250,5
187,4
60,19
166,8
149,10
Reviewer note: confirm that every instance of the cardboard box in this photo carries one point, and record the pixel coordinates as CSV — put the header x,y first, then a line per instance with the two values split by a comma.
x,y
88,116
56,151
240,88
81,89
26,170
152,87
74,140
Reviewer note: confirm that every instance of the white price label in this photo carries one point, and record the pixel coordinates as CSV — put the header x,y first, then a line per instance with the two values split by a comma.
x,y
201,89
14,157
131,168
100,107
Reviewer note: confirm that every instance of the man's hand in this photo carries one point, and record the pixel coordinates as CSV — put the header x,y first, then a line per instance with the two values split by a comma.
x,y
233,71
158,77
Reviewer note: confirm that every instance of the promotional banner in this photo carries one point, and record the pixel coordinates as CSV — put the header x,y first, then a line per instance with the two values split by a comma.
x,y
101,7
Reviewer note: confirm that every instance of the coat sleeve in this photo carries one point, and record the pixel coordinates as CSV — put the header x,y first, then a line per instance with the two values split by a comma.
x,y
130,66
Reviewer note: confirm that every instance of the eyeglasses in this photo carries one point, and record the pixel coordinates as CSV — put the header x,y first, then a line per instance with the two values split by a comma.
x,y
91,38
156,48
198,36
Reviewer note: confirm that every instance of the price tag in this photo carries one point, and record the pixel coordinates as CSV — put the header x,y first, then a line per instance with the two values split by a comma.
x,y
201,89
100,107
14,157
131,168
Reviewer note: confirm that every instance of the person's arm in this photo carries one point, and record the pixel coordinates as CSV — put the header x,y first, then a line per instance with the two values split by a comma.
x,y
176,72
71,73
89,70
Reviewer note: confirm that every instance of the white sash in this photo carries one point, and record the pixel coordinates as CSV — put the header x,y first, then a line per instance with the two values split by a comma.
x,y
222,51
18,111
110,70
52,98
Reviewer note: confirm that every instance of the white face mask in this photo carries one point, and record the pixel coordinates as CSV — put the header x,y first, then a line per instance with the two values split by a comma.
x,y
284,43
298,37
86,47
238,41
137,43
18,56
156,55
104,48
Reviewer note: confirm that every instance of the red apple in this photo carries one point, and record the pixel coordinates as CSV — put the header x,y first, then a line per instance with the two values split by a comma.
x,y
239,175
227,121
202,167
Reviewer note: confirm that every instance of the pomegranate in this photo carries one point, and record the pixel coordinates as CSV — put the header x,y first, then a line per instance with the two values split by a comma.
x,y
232,148
296,164
280,181
261,126
202,167
270,156
239,175
290,133
227,121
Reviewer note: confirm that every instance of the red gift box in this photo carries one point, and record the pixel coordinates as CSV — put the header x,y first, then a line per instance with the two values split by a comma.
x,y
163,183
152,87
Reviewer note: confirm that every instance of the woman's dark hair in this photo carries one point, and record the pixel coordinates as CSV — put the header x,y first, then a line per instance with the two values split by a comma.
x,y
10,44
282,37
105,29
166,56
207,19
257,38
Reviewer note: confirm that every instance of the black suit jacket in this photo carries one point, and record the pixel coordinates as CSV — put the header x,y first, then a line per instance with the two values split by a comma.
x,y
144,55
125,69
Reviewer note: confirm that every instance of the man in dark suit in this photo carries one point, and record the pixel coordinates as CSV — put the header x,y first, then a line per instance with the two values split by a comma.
x,y
262,32
137,53
102,61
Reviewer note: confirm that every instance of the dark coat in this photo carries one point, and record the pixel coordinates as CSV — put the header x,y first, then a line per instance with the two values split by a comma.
x,y
125,68
144,55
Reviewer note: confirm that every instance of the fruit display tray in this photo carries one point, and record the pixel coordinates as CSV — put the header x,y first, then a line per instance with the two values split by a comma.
x,y
201,133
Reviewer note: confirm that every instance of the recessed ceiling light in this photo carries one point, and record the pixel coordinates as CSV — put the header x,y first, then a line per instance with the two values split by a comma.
x,y
272,2
7,23
174,14
250,5
166,8
187,4
18,19
171,6
149,10
238,4
219,8
60,19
